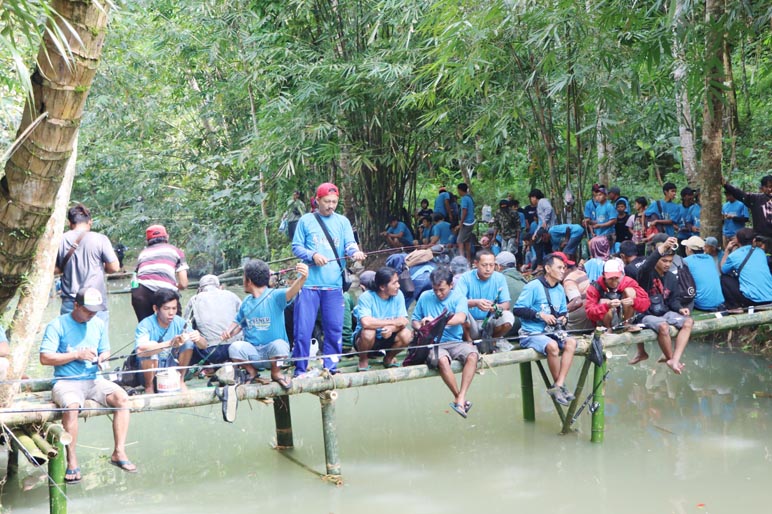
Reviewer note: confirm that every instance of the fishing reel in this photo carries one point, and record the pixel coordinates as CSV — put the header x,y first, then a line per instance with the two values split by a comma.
x,y
557,331
593,407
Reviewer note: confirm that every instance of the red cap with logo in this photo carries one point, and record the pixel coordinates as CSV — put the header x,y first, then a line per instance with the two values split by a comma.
x,y
154,231
328,188
564,258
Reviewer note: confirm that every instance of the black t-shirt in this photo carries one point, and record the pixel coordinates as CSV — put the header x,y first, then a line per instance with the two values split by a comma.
x,y
621,230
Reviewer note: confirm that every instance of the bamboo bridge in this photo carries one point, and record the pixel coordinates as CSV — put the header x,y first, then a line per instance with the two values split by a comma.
x,y
37,436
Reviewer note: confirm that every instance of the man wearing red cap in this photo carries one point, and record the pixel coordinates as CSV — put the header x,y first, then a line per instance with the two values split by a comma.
x,y
615,298
323,240
159,266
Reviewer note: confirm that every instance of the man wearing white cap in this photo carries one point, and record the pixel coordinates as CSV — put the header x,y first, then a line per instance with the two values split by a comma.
x,y
75,344
614,298
706,277
211,311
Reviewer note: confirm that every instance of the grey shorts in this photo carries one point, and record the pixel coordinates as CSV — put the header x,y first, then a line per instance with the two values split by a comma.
x,y
475,325
670,317
246,351
453,351
67,392
464,233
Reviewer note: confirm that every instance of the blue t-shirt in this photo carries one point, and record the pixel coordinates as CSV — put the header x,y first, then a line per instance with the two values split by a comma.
x,y
604,212
430,306
407,236
594,268
558,233
443,231
262,318
755,278
691,216
370,305
589,209
670,211
149,331
439,203
310,239
707,281
533,297
472,288
468,204
739,210
64,334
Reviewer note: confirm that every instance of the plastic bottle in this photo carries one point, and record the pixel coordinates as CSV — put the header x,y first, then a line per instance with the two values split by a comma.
x,y
134,281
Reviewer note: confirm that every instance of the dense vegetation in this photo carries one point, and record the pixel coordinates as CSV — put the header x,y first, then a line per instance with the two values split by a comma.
x,y
206,115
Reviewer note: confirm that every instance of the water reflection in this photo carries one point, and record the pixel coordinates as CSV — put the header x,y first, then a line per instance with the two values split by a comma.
x,y
695,443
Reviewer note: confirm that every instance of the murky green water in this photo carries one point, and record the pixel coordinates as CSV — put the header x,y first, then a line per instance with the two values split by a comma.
x,y
697,443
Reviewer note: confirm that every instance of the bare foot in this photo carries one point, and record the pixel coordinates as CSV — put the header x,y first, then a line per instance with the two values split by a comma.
x,y
662,359
675,366
639,357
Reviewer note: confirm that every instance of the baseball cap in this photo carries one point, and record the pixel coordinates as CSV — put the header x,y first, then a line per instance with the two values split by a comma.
x,y
506,259
613,268
695,243
328,188
207,282
712,241
90,298
154,231
601,189
595,187
659,238
564,258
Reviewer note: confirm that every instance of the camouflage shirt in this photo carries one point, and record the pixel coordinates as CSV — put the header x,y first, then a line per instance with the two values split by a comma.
x,y
507,223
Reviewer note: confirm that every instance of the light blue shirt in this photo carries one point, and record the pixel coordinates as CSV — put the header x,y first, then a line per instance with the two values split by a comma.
x,y
149,331
494,289
739,209
407,236
706,280
439,203
468,204
370,305
64,334
443,231
755,278
604,212
691,216
429,306
310,239
670,211
533,297
262,318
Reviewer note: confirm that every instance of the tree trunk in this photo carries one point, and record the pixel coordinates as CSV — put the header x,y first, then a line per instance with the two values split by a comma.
x,y
732,118
712,149
683,108
34,172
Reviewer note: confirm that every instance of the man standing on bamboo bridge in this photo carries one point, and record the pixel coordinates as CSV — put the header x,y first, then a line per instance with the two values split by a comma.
x,y
84,257
75,344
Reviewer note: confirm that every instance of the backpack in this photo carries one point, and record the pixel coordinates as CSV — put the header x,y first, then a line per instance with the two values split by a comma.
x,y
129,375
687,288
431,333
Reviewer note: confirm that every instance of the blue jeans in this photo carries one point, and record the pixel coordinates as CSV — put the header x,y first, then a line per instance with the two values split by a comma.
x,y
307,305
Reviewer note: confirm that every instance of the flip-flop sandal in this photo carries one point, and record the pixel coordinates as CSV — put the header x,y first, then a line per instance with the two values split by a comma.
x,y
124,465
459,409
230,402
285,383
392,364
75,472
366,368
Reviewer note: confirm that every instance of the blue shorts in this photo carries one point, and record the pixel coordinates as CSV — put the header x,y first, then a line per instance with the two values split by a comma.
x,y
539,343
168,357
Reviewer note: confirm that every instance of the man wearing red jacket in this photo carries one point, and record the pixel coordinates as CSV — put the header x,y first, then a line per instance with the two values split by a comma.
x,y
614,298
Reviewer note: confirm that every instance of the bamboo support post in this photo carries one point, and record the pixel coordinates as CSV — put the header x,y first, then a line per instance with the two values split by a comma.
x,y
28,447
57,488
56,432
599,401
283,417
578,397
13,459
526,384
330,430
548,384
44,446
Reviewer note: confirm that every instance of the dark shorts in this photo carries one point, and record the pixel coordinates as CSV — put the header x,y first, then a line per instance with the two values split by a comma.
x,y
464,233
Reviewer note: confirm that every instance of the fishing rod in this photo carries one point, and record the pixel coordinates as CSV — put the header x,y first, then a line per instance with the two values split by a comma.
x,y
594,406
344,257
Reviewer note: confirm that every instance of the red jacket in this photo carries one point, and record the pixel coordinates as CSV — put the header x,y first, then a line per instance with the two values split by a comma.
x,y
595,310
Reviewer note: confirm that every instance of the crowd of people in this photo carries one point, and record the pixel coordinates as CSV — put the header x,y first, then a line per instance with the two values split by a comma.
x,y
648,267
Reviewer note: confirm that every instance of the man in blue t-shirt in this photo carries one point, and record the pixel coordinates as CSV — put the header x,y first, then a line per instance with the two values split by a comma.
x,y
566,238
164,339
745,281
488,301
441,232
76,344
602,223
398,234
442,204
430,305
707,281
466,222
543,321
261,320
735,214
323,290
381,320
665,214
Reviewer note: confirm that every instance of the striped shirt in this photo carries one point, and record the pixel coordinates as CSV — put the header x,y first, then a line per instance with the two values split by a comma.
x,y
157,266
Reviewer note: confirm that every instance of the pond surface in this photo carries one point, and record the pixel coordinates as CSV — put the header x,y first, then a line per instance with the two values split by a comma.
x,y
698,443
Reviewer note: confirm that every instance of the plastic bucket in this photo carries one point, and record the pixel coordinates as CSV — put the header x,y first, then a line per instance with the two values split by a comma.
x,y
167,381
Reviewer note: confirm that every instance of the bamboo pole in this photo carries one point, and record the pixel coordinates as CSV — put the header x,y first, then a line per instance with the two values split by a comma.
x,y
48,450
13,459
57,488
577,396
28,448
599,401
526,385
283,418
54,430
35,290
330,431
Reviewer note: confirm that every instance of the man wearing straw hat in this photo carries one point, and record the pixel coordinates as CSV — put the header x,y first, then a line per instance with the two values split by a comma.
x,y
75,344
